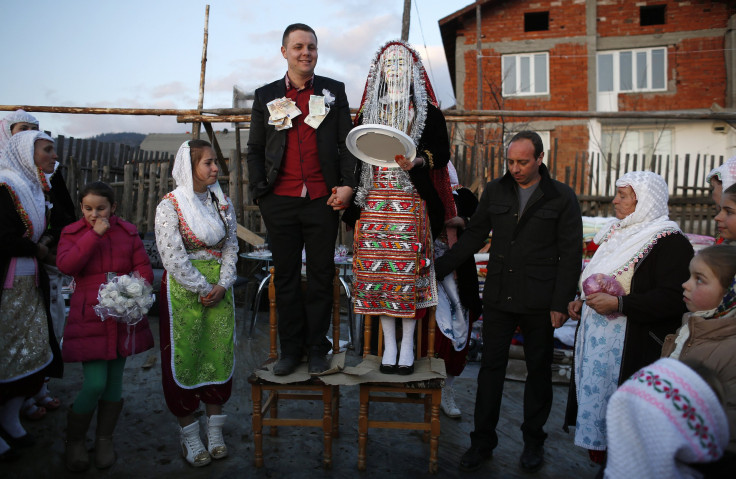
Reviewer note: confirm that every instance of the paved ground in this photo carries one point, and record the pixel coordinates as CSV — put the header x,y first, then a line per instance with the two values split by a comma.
x,y
147,438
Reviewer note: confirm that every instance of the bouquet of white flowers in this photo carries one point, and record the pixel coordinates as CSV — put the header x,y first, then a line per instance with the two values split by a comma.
x,y
126,298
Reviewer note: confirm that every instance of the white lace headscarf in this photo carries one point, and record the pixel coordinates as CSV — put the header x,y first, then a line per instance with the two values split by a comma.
x,y
18,171
726,173
662,419
18,116
205,222
625,242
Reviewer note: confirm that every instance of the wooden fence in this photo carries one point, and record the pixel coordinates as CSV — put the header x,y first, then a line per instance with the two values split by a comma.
x,y
141,178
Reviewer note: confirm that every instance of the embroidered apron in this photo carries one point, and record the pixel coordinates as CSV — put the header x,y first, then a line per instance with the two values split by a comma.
x,y
202,339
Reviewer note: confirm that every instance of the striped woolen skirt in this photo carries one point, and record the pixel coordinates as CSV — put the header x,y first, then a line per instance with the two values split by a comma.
x,y
392,267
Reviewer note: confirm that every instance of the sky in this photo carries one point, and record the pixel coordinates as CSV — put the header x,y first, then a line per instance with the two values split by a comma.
x,y
147,54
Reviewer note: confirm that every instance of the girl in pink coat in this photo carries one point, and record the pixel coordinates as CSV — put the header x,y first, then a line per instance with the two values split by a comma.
x,y
90,249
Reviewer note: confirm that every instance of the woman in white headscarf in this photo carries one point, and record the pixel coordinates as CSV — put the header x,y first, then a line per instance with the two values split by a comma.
x,y
196,238
35,407
15,122
28,348
648,255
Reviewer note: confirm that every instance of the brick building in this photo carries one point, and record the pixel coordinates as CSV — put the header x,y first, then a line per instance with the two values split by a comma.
x,y
599,55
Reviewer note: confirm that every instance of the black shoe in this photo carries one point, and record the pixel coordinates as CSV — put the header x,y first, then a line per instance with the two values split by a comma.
x,y
286,365
405,370
317,364
474,458
388,368
532,459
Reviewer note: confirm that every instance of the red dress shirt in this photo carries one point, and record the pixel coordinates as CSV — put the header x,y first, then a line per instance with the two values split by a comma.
x,y
300,171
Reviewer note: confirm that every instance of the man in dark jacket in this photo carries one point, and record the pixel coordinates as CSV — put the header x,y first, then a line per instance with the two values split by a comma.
x,y
301,174
533,268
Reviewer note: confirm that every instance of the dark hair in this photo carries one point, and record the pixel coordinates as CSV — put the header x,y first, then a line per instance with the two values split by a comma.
x,y
722,260
99,188
711,378
294,27
195,149
532,136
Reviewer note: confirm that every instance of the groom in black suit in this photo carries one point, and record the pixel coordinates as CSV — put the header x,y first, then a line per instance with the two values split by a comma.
x,y
300,177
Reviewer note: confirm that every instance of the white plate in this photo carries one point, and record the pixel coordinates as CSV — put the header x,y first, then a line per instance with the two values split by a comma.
x,y
379,144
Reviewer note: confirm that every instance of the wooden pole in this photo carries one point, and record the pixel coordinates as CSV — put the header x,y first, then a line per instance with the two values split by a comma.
x,y
479,72
200,102
405,21
128,193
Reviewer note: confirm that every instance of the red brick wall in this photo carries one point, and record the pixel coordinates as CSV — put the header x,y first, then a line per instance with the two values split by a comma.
x,y
504,21
695,67
696,78
621,17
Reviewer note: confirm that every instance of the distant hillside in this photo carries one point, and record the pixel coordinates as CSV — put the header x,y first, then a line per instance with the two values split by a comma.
x,y
131,139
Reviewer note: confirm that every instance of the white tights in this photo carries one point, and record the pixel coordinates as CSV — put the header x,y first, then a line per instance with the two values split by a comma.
x,y
406,355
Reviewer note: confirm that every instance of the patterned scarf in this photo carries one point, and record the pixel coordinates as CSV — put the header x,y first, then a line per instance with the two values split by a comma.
x,y
660,420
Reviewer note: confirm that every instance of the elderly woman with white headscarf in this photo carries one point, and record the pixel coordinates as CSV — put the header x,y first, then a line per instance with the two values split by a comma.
x,y
15,122
64,213
196,238
28,347
648,257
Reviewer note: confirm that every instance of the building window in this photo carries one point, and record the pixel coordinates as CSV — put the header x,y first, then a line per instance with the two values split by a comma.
x,y
536,21
643,143
651,15
526,74
638,70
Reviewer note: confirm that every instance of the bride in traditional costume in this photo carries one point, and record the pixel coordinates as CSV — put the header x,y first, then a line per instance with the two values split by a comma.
x,y
401,210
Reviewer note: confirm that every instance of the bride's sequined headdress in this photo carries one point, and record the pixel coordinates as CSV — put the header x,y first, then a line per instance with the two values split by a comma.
x,y
396,94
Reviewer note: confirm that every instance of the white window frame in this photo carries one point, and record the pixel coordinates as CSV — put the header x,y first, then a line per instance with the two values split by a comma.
x,y
515,90
616,70
633,142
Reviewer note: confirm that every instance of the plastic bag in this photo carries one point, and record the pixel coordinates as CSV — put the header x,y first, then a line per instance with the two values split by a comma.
x,y
603,283
126,298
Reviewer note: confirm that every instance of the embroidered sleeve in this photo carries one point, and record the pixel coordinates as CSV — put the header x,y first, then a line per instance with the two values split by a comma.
x,y
173,253
228,274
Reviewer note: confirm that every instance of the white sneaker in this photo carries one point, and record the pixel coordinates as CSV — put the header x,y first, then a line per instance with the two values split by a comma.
x,y
191,446
448,403
215,442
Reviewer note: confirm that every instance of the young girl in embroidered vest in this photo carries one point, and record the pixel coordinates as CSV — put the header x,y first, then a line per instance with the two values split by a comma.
x,y
90,250
196,238
708,332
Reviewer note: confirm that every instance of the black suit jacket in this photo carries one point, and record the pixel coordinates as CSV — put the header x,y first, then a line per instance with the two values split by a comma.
x,y
266,145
